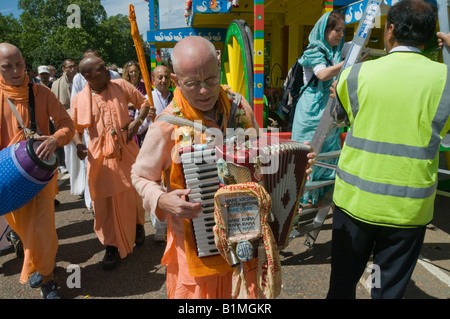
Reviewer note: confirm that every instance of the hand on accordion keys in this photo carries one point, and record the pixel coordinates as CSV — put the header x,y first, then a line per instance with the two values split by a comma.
x,y
174,203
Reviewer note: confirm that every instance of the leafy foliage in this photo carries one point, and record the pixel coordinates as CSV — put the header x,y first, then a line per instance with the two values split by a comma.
x,y
44,35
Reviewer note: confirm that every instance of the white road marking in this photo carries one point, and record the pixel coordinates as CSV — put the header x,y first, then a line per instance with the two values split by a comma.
x,y
427,264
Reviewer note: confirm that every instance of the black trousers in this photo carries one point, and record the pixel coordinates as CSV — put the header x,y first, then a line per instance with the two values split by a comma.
x,y
395,253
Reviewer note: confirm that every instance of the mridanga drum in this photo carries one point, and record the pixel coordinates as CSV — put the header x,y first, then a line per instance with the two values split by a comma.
x,y
22,174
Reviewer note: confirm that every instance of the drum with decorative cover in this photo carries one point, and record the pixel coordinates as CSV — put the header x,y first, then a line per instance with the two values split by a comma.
x,y
22,174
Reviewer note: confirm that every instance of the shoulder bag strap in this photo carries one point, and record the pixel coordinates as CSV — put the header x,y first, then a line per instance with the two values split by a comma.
x,y
31,106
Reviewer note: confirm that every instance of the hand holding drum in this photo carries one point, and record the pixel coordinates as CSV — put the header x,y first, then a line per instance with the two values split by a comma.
x,y
26,168
46,149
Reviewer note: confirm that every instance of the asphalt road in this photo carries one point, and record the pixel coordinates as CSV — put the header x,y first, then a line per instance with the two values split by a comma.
x,y
140,276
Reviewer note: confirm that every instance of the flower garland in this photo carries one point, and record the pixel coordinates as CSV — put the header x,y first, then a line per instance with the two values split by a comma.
x,y
240,117
155,15
187,9
177,109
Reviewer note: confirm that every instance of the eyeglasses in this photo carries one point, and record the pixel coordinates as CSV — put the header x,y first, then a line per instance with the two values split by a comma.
x,y
70,67
195,85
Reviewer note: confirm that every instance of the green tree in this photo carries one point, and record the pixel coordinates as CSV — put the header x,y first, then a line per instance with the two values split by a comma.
x,y
10,29
44,36
117,42
47,38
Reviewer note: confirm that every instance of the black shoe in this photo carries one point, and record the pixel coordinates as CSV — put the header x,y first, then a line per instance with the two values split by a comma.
x,y
49,290
15,241
35,280
140,235
111,258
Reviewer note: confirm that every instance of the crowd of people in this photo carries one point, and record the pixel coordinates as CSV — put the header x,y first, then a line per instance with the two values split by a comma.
x,y
118,231
104,125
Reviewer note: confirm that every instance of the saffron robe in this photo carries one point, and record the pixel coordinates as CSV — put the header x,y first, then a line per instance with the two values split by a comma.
x,y
117,206
156,157
35,221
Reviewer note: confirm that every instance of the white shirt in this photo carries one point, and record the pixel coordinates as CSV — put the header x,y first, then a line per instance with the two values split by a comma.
x,y
160,104
308,72
404,48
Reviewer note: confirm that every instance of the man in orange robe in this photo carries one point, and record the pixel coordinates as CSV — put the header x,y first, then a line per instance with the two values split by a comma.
x,y
198,96
102,108
34,222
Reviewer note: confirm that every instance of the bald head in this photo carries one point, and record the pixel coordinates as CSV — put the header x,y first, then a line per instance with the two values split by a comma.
x,y
87,63
192,50
94,70
161,68
7,49
12,64
197,72
161,79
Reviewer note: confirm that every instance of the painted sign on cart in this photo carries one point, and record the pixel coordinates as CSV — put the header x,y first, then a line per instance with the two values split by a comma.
x,y
211,6
354,12
175,35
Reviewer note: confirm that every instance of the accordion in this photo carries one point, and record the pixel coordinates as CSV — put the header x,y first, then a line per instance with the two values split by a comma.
x,y
279,166
200,175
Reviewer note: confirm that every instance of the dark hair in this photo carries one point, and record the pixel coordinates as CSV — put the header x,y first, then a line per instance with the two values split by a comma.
x,y
91,51
333,19
414,21
67,59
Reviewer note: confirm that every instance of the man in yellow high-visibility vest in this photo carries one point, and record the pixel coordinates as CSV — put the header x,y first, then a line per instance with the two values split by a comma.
x,y
398,107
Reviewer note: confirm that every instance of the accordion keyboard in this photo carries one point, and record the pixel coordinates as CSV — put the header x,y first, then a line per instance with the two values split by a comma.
x,y
200,174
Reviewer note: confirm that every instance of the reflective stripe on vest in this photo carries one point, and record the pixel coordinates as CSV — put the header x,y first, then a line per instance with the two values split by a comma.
x,y
386,189
416,152
387,173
